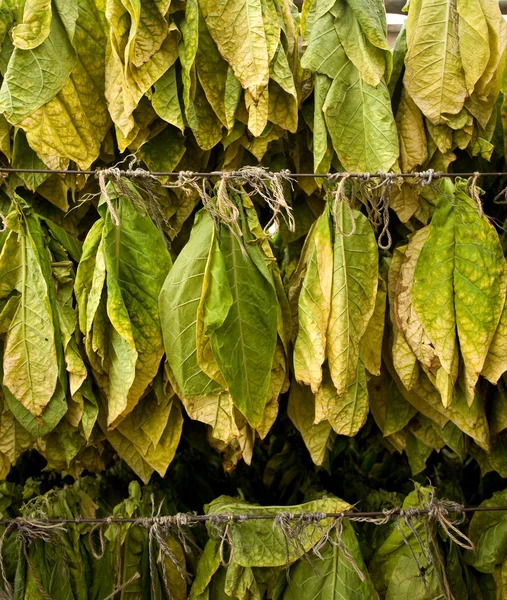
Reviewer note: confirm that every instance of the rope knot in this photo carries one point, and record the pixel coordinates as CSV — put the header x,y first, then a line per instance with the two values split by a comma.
x,y
426,177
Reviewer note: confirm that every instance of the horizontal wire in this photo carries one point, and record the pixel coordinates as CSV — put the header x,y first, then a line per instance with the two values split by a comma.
x,y
288,174
225,517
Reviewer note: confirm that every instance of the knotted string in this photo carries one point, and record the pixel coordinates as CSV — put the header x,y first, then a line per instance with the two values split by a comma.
x,y
338,197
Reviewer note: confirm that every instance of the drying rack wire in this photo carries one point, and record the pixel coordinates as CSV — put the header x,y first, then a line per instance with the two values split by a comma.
x,y
192,518
239,173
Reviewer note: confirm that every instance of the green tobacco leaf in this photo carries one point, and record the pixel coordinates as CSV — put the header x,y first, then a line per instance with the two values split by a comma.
x,y
417,453
332,576
318,438
164,151
44,424
314,306
30,360
46,68
134,281
244,345
459,285
14,439
87,286
496,360
165,100
322,149
346,413
434,75
360,121
23,157
355,280
179,301
257,544
357,114
214,305
398,411
400,546
488,532
371,342
70,243
238,28
407,583
324,53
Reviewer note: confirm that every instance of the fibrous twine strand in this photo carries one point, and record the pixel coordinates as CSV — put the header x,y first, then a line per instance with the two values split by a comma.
x,y
115,175
158,528
338,197
270,187
267,185
298,530
99,527
28,531
375,194
221,523
145,185
475,192
123,586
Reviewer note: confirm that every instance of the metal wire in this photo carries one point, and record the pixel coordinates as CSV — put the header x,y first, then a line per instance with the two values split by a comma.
x,y
132,173
224,517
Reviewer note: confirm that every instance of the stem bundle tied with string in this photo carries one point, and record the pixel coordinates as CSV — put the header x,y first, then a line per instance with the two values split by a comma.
x,y
339,196
28,531
374,191
134,183
267,186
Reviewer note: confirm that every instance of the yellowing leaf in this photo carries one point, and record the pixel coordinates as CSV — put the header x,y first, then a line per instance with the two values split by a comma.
x,y
406,318
368,59
459,287
473,40
35,26
217,411
497,31
360,121
355,280
496,360
413,147
317,438
257,112
314,307
165,99
346,413
46,67
30,368
371,342
73,124
237,26
404,360
434,75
